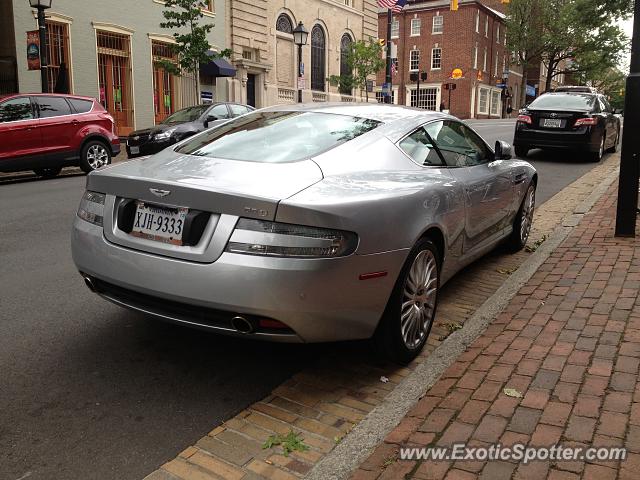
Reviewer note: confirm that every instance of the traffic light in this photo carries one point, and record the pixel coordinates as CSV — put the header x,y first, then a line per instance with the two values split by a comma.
x,y
454,5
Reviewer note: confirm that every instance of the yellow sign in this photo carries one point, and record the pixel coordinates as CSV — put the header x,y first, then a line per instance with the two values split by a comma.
x,y
453,6
456,73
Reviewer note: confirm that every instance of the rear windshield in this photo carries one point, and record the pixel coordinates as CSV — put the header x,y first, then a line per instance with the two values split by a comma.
x,y
190,114
277,137
570,102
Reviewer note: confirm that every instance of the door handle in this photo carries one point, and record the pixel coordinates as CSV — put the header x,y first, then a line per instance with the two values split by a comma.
x,y
74,122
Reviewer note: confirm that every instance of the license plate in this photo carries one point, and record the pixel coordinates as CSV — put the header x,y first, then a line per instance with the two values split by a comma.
x,y
161,224
552,122
135,150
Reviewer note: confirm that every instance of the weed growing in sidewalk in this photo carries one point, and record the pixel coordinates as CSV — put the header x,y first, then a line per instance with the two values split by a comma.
x,y
290,442
536,244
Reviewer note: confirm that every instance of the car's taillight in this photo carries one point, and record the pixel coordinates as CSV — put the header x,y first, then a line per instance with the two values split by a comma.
x,y
588,121
91,207
525,119
273,239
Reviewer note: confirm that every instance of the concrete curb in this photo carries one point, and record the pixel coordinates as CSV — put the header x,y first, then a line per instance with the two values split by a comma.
x,y
371,431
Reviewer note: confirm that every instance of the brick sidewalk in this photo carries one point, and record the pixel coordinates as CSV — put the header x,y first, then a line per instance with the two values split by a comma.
x,y
569,341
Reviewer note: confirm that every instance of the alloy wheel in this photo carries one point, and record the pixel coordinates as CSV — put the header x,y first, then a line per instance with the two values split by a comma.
x,y
97,156
527,214
419,299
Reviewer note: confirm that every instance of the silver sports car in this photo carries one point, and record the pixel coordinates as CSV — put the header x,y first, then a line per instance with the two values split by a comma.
x,y
304,223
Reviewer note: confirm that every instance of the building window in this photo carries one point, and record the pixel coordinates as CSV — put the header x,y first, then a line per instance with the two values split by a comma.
x,y
478,21
498,34
438,24
345,48
395,28
415,27
486,26
495,103
475,56
58,71
318,58
414,60
284,24
348,3
424,98
483,101
163,81
208,5
484,62
495,70
436,58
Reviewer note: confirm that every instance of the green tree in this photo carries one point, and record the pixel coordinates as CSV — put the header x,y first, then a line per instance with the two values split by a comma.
x,y
524,22
582,38
363,59
191,45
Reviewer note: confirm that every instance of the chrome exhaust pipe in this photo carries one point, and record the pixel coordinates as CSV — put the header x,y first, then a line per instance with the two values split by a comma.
x,y
242,325
89,283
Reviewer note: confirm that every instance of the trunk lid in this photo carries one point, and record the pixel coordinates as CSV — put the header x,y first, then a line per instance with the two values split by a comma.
x,y
566,118
216,192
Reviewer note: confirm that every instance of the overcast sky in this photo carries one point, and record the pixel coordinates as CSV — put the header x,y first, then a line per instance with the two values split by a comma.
x,y
627,25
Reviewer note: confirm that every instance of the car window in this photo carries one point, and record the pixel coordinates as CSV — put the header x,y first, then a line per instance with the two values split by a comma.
x,y
277,136
419,147
190,114
459,145
237,110
571,101
219,111
16,109
606,107
81,106
52,106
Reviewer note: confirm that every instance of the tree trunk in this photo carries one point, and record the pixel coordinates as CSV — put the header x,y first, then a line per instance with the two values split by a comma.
x,y
523,87
197,82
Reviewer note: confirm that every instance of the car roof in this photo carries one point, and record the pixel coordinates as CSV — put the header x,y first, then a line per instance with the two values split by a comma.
x,y
373,111
27,94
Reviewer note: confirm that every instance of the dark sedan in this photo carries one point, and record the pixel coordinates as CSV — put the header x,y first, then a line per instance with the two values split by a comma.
x,y
180,125
573,121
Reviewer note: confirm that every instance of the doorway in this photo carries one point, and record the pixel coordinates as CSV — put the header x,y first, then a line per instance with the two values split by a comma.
x,y
114,76
251,89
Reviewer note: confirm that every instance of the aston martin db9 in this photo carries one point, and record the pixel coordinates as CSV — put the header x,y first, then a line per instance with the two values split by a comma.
x,y
304,223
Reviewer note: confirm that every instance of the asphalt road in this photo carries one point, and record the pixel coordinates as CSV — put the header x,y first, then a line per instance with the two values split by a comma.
x,y
91,391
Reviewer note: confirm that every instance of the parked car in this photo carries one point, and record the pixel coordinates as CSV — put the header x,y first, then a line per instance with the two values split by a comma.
x,y
45,132
304,223
573,121
180,125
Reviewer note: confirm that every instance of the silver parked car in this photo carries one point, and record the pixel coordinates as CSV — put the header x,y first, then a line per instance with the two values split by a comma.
x,y
304,223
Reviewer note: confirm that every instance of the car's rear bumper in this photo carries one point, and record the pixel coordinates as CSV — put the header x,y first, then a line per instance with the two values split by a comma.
x,y
148,148
319,300
583,139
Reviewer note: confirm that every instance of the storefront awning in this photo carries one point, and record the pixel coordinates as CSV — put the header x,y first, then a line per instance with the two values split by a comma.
x,y
218,67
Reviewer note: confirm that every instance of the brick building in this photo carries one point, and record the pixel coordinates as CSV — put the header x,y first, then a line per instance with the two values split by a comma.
x,y
427,37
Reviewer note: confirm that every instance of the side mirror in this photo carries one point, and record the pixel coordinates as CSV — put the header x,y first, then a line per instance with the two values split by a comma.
x,y
503,150
210,118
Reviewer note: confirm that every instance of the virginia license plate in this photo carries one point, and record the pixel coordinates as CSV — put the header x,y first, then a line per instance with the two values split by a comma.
x,y
135,150
552,122
161,224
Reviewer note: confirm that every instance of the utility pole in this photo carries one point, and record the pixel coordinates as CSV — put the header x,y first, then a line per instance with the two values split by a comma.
x,y
627,208
387,78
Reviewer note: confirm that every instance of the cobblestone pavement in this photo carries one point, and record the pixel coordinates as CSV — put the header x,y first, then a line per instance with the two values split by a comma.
x,y
325,402
569,341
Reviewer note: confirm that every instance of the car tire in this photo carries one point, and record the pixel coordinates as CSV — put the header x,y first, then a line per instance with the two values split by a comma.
x,y
48,172
597,156
521,151
95,154
410,312
522,223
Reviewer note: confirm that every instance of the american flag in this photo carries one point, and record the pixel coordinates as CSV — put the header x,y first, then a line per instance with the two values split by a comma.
x,y
394,5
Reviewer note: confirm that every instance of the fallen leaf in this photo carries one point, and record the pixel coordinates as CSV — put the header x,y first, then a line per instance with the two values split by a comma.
x,y
512,392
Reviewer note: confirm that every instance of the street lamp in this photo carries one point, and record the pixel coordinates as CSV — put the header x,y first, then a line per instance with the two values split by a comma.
x,y
300,35
41,6
627,207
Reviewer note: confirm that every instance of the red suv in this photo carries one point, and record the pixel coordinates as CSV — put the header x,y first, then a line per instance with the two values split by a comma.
x,y
45,132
